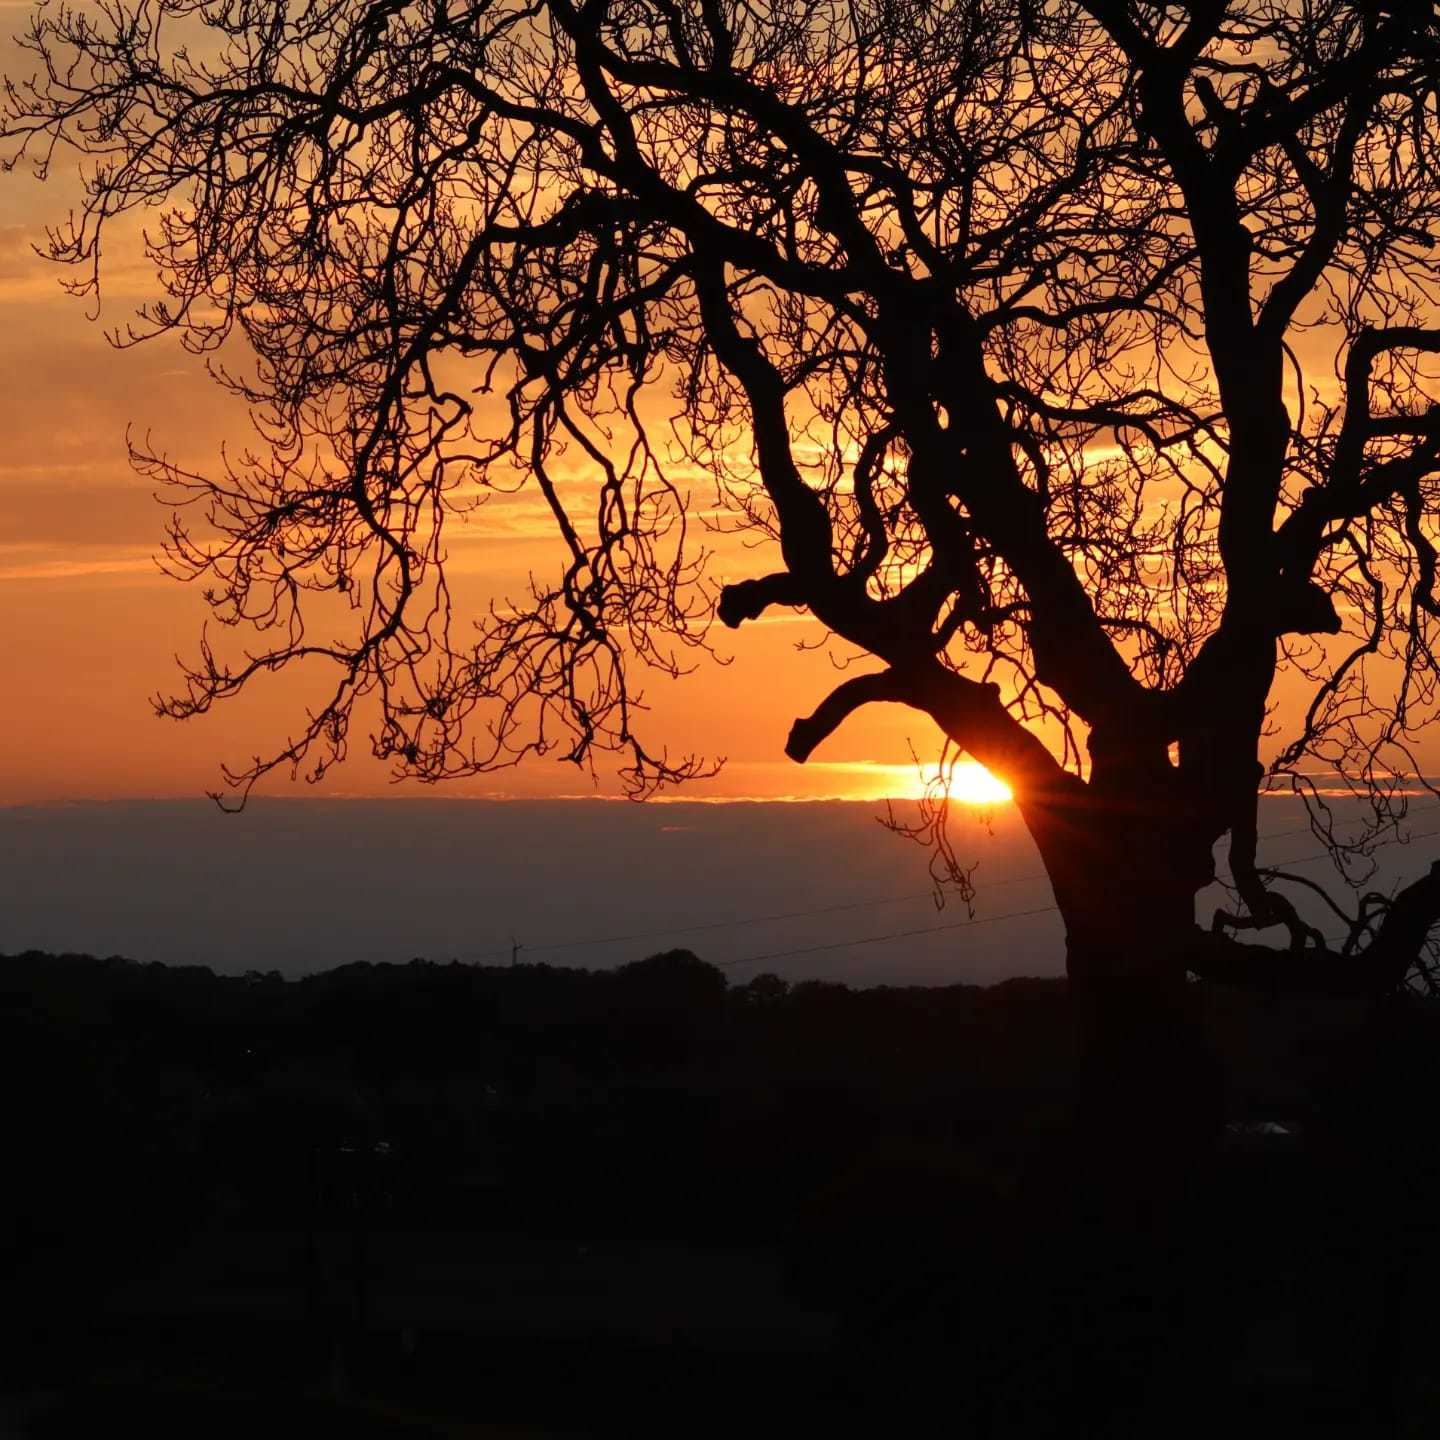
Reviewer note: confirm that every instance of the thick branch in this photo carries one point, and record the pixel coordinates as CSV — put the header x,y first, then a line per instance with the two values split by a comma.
x,y
972,715
840,704
749,599
1380,968
1413,913
1224,961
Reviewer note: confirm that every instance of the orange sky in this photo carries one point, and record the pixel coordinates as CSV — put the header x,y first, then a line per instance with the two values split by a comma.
x,y
91,627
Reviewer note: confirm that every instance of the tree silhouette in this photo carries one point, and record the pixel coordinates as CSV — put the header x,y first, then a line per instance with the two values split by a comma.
x,y
1076,361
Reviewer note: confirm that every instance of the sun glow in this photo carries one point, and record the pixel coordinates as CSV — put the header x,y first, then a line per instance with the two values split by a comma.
x,y
971,783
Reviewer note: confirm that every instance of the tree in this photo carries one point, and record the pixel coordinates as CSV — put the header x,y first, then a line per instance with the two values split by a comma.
x,y
1077,361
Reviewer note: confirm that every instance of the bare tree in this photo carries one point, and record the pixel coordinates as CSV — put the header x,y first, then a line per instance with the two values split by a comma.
x,y
1077,361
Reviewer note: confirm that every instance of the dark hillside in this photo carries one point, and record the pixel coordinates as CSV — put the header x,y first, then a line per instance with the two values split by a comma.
x,y
617,1202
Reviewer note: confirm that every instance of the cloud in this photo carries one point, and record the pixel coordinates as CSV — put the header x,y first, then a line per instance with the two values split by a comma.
x,y
31,562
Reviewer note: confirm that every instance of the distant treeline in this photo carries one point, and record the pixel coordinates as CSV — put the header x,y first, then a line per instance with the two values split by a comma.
x,y
654,1096
363,1041
654,1080
902,1153
519,1071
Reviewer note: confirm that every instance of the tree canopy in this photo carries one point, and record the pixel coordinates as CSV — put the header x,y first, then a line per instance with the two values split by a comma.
x,y
1079,362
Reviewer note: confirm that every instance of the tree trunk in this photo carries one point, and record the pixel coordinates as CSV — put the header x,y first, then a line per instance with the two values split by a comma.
x,y
1125,869
1146,1092
1146,1117
1145,1082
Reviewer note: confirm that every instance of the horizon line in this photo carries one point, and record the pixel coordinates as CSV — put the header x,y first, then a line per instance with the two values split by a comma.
x,y
439,796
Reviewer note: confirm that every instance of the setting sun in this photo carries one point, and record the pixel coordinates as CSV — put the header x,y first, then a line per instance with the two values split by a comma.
x,y
972,784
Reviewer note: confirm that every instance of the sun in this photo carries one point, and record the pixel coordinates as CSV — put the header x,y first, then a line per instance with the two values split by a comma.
x,y
972,784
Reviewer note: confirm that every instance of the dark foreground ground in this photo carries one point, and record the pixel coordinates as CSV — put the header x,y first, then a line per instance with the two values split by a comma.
x,y
440,1201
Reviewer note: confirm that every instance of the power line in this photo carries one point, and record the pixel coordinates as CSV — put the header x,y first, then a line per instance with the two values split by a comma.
x,y
894,935
1325,854
730,924
986,919
1032,877
696,928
